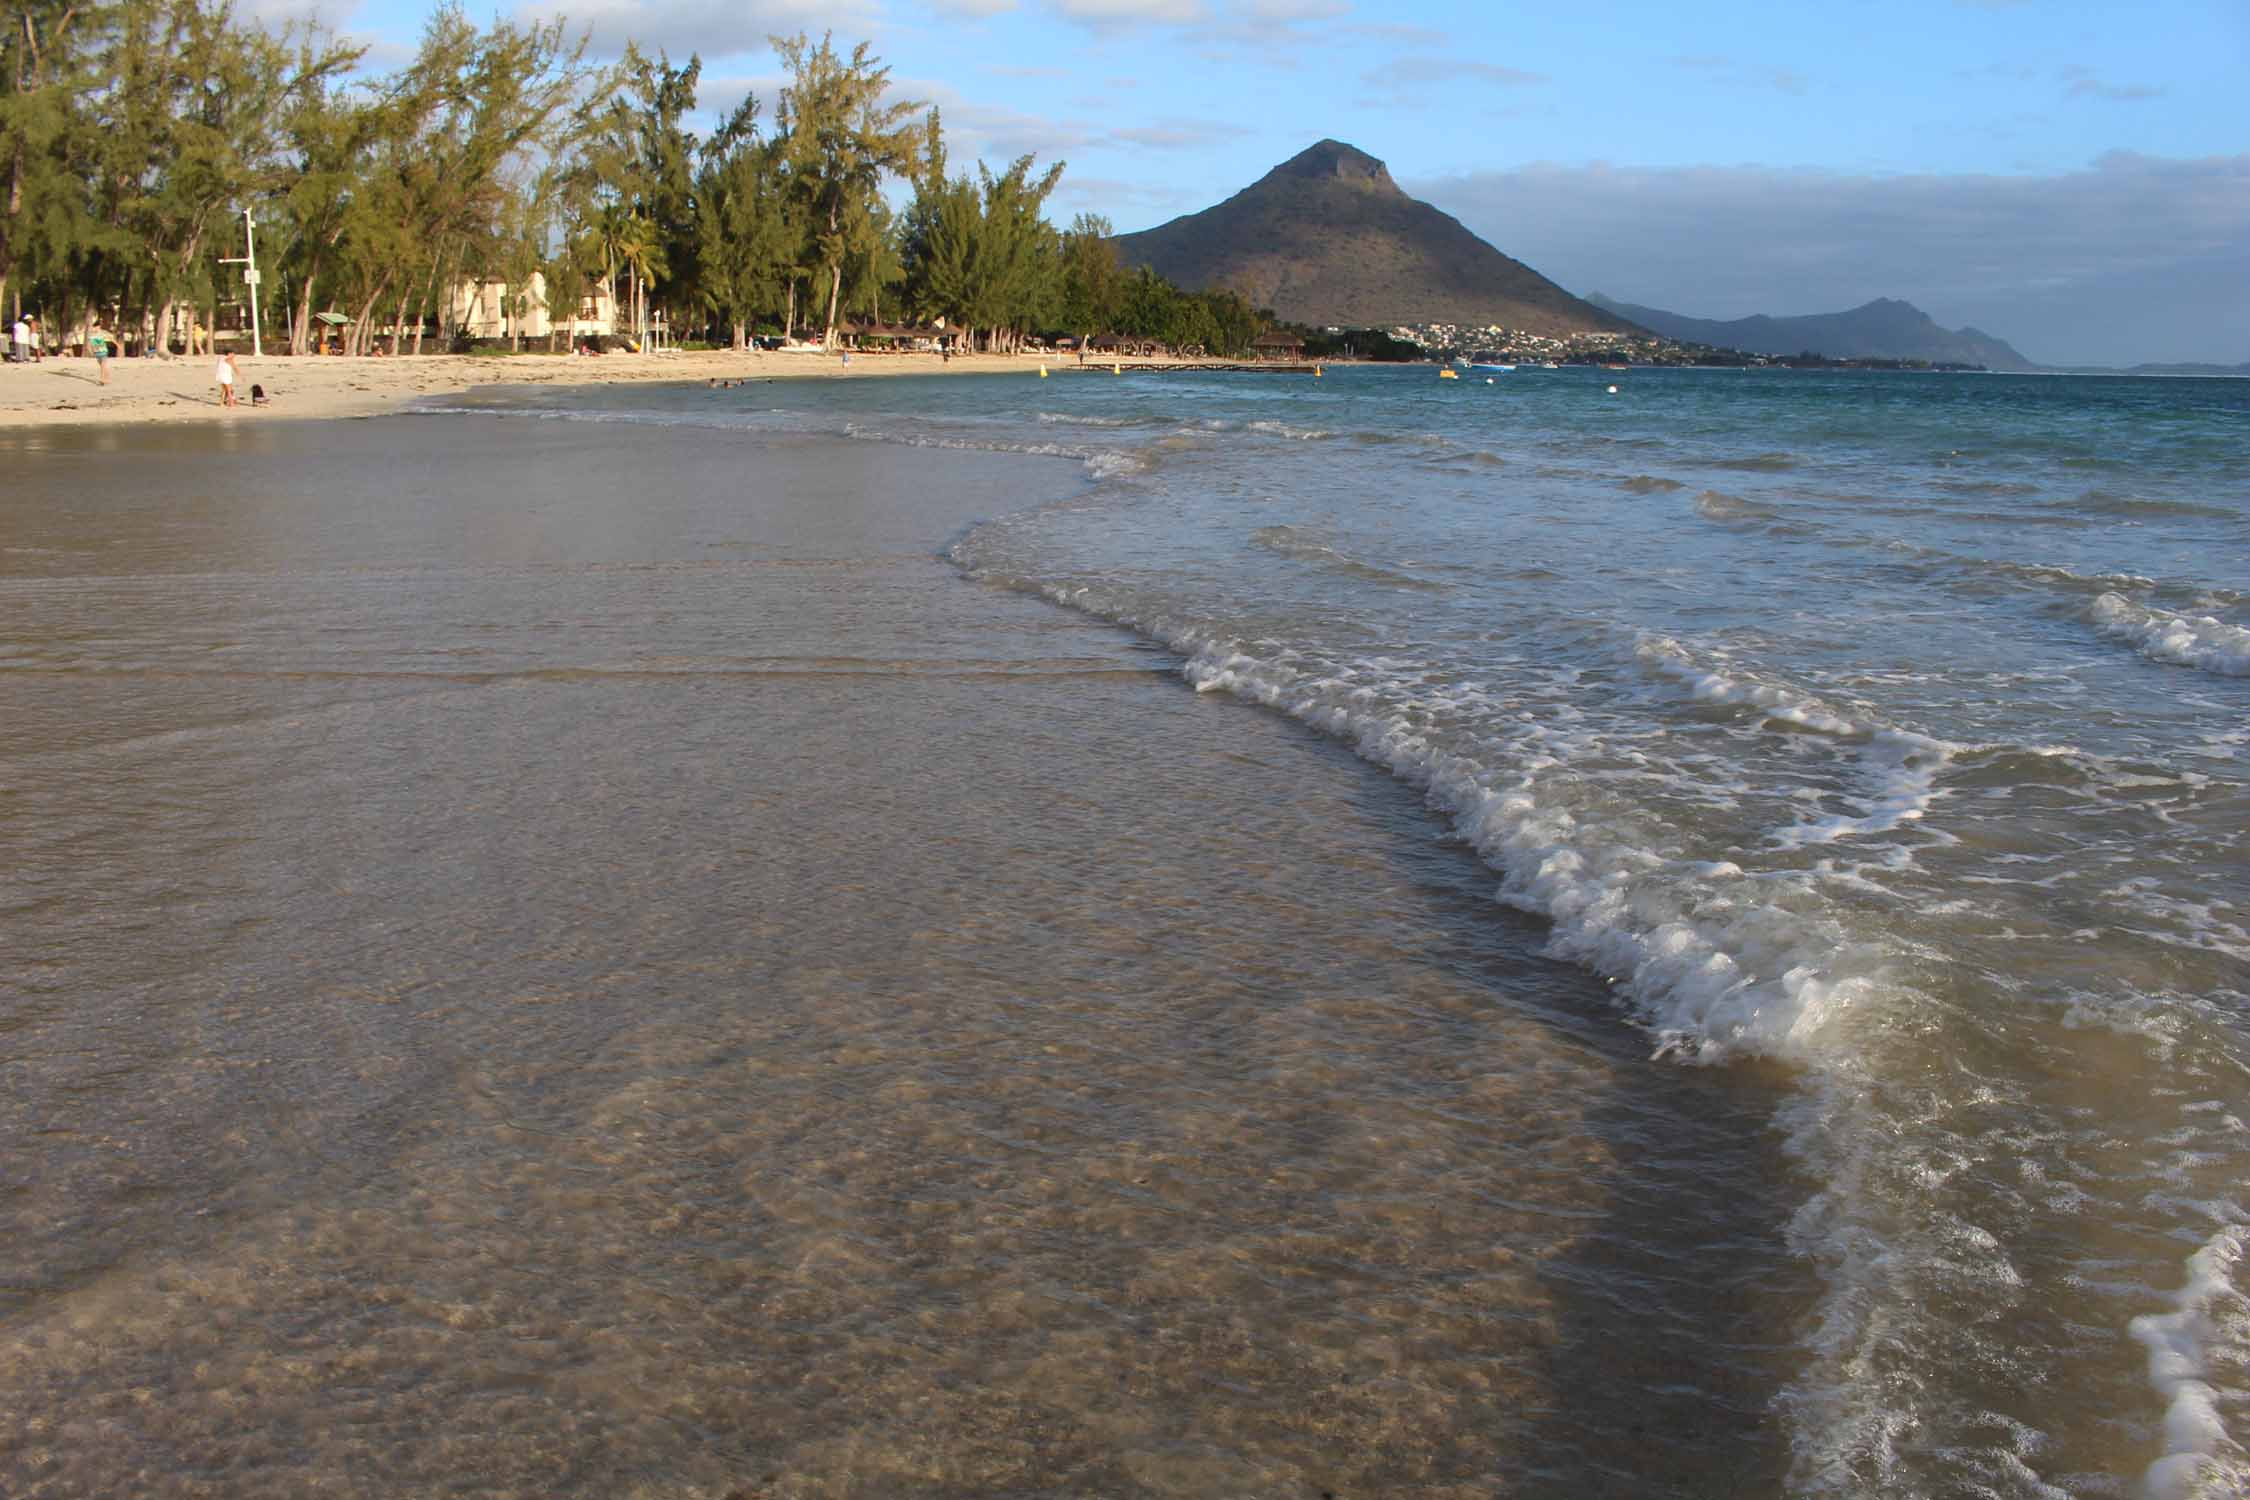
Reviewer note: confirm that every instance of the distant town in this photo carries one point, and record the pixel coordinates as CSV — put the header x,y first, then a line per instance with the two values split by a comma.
x,y
1497,345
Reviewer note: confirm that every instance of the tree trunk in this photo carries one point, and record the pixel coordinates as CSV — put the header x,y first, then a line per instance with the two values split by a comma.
x,y
363,326
398,324
437,264
789,315
741,335
835,296
442,299
300,336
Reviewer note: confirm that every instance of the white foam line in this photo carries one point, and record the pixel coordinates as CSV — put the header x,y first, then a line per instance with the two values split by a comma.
x,y
1714,973
1667,658
2199,1457
1907,765
1101,463
1910,764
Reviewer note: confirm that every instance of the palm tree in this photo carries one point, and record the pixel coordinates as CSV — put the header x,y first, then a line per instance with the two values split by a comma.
x,y
607,236
641,247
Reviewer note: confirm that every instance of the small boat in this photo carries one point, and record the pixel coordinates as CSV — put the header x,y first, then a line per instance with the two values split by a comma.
x,y
1494,369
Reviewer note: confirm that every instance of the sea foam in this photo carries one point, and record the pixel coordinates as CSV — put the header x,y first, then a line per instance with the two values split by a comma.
x,y
1716,965
2199,1458
2201,641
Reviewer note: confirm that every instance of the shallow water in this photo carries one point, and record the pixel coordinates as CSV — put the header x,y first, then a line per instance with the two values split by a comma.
x,y
1887,728
587,957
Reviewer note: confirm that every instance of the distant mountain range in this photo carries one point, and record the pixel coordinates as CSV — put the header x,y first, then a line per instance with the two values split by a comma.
x,y
1883,329
1327,239
2241,371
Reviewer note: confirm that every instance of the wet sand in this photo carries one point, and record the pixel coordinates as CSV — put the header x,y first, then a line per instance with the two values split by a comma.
x,y
592,961
63,392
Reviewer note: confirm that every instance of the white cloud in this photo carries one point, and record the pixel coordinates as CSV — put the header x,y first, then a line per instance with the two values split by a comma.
x,y
1117,14
276,15
718,94
1733,73
2132,258
1418,79
1175,135
2083,83
1292,10
710,28
993,133
1128,205
1398,33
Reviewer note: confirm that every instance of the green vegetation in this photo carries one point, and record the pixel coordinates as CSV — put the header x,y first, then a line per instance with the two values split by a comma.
x,y
136,134
1363,343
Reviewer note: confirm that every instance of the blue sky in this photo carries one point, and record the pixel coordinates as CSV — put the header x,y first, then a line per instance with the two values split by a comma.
x,y
2073,177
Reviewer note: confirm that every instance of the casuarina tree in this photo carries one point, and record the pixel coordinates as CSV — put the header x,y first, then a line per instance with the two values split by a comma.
x,y
840,140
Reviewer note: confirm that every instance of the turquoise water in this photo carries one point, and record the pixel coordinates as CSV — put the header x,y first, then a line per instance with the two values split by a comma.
x,y
1886,729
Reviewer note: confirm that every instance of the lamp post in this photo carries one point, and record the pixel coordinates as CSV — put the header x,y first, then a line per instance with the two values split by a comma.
x,y
248,260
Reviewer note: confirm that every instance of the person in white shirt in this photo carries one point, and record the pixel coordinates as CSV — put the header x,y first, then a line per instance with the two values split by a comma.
x,y
21,337
224,374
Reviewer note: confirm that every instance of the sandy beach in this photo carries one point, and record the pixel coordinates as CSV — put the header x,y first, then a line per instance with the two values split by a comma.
x,y
65,391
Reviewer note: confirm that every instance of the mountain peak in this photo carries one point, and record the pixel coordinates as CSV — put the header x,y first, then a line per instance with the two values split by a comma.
x,y
1335,159
1328,239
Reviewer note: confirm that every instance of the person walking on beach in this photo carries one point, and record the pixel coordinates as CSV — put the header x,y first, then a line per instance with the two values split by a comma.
x,y
19,341
224,374
101,345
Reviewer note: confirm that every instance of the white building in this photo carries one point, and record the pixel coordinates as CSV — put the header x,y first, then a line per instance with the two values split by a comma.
x,y
492,310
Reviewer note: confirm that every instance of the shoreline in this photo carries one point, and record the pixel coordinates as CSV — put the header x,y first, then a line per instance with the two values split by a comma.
x,y
64,391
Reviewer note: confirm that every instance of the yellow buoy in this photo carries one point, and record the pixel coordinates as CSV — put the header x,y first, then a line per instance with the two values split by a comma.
x,y
1447,375
1316,372
1116,369
1042,372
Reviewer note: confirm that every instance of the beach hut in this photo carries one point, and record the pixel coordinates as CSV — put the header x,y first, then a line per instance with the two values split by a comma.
x,y
1278,345
897,337
1111,344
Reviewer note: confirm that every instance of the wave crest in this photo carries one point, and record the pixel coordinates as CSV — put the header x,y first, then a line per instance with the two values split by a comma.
x,y
2204,642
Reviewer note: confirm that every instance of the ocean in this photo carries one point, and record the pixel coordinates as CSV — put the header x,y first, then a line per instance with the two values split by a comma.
x,y
1189,933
